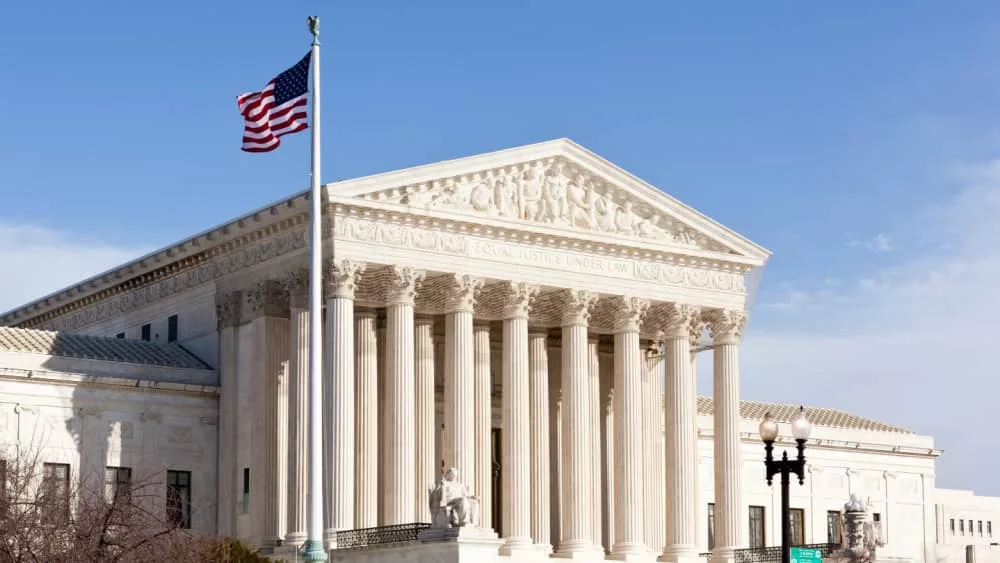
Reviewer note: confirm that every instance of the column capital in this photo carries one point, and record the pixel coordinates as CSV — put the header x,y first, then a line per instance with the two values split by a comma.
x,y
227,309
341,277
462,293
726,325
577,305
402,286
419,320
520,297
539,333
297,284
268,298
676,320
629,313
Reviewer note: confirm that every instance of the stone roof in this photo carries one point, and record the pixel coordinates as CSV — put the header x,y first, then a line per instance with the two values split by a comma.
x,y
818,416
97,348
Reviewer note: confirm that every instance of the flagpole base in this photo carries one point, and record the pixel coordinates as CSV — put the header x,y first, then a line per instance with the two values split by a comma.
x,y
313,550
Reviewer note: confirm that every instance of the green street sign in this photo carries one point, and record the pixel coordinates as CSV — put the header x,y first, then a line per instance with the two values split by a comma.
x,y
806,555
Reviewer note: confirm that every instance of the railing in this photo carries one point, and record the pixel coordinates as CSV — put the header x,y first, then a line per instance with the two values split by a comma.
x,y
400,533
772,554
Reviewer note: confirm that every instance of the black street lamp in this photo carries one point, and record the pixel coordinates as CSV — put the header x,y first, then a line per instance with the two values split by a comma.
x,y
785,466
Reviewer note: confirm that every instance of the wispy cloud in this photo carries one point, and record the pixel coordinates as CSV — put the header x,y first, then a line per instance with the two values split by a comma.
x,y
37,260
878,243
913,343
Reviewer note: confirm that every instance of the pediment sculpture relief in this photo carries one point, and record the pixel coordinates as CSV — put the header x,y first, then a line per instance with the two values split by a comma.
x,y
552,192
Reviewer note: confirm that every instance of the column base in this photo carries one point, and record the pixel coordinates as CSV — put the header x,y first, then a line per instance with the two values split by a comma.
x,y
632,552
543,548
722,555
519,548
295,538
330,538
579,551
645,556
680,555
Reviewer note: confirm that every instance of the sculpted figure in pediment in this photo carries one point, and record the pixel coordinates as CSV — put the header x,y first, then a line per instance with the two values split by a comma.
x,y
550,192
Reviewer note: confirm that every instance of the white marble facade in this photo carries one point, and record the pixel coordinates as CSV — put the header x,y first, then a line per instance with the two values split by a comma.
x,y
541,291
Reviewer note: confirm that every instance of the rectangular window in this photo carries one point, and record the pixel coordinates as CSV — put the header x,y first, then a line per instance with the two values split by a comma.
x,y
757,526
246,489
952,526
971,533
120,335
711,526
834,525
55,485
798,526
118,484
147,331
179,499
961,526
979,526
172,328
989,528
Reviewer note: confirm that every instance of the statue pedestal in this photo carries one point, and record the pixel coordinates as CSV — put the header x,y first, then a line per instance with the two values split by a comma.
x,y
458,545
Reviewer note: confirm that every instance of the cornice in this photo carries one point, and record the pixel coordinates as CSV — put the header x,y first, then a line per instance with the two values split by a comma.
x,y
536,235
190,253
107,382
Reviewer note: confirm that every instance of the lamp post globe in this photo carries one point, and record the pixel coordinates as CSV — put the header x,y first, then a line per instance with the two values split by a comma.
x,y
801,427
768,429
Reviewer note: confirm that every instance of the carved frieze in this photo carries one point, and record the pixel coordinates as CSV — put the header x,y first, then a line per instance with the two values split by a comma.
x,y
553,192
422,238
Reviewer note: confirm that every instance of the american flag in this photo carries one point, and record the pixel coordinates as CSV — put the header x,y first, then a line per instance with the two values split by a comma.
x,y
278,109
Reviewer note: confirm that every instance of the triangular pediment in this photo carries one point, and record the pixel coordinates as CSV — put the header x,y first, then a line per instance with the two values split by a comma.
x,y
555,185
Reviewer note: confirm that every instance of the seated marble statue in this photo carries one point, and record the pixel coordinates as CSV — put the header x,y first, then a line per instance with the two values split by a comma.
x,y
451,503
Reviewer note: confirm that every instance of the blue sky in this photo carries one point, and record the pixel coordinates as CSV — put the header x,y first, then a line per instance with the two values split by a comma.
x,y
857,141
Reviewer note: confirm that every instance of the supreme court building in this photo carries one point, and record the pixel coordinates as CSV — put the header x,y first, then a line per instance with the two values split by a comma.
x,y
528,316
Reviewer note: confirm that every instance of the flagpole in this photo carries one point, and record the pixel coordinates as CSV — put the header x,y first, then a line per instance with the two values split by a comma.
x,y
314,548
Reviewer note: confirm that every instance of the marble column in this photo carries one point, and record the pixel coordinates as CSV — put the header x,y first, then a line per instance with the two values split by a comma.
x,y
483,480
538,398
459,377
555,437
726,327
577,525
399,494
227,307
680,413
629,368
425,441
658,491
651,507
268,301
385,439
516,439
594,358
298,407
341,282
366,413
